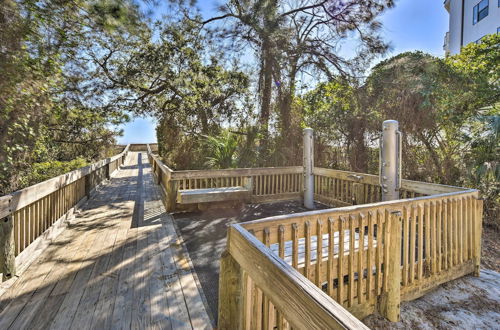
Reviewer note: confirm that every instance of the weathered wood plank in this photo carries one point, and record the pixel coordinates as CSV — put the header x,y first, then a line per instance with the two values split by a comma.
x,y
290,290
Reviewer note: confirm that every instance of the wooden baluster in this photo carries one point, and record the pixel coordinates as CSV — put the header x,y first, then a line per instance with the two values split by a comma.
x,y
413,234
444,234
426,247
340,260
230,284
331,253
456,229
295,246
465,220
379,254
22,229
478,228
406,244
361,248
439,235
265,185
460,231
470,226
433,238
268,317
369,252
352,239
307,259
391,299
420,241
451,233
247,295
319,252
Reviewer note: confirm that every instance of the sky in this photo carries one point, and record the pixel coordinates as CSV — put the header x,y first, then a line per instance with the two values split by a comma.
x,y
410,25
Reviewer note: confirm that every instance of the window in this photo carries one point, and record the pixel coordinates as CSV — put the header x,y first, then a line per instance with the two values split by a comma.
x,y
480,11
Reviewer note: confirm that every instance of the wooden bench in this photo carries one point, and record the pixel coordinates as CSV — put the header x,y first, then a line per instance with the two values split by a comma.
x,y
192,196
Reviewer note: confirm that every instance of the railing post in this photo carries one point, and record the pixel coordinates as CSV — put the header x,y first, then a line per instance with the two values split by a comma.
x,y
88,184
171,189
108,171
478,229
390,160
7,244
230,287
359,193
308,164
391,297
158,173
248,184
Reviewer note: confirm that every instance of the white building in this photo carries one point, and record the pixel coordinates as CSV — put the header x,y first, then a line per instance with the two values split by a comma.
x,y
470,20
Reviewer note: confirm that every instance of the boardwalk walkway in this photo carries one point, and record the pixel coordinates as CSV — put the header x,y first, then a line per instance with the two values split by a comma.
x,y
118,265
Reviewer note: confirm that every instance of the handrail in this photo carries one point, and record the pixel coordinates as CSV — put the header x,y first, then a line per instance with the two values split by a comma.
x,y
35,214
364,208
219,173
416,186
21,198
298,301
409,247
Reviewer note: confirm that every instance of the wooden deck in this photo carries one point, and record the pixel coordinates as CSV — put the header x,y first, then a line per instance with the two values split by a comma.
x,y
118,265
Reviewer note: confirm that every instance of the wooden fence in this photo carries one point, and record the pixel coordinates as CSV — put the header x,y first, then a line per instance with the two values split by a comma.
x,y
366,255
31,217
258,290
265,184
368,258
342,188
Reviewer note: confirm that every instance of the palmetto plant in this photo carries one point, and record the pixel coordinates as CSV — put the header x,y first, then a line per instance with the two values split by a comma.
x,y
222,149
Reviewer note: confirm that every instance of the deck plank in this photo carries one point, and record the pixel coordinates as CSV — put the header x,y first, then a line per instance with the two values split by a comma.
x,y
118,264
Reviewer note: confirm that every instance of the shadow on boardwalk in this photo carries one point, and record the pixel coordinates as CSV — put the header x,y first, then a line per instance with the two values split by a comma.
x,y
118,264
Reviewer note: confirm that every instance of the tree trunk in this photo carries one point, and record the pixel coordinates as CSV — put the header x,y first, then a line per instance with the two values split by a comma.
x,y
265,106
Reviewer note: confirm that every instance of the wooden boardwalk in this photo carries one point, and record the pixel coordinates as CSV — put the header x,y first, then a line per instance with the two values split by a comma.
x,y
118,265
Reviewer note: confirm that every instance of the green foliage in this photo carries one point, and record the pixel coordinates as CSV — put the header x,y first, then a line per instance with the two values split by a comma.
x,y
43,171
50,108
481,63
221,150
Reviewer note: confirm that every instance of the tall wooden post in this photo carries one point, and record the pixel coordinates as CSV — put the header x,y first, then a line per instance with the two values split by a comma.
x,y
7,244
230,286
390,160
171,189
391,297
308,163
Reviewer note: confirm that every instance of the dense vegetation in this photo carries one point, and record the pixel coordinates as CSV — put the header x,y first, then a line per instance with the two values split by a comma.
x,y
236,89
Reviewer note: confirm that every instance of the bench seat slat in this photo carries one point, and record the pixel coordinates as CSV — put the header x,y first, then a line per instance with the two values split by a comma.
x,y
212,195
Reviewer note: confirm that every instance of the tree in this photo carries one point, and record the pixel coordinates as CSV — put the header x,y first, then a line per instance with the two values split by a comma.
x,y
290,38
340,124
431,101
46,114
481,63
169,73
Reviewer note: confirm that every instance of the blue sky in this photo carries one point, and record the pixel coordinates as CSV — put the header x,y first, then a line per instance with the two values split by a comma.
x,y
410,25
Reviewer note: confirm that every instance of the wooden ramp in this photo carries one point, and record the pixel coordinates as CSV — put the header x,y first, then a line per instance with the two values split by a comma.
x,y
118,265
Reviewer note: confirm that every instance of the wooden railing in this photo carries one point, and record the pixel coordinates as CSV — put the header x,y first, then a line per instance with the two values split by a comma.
x,y
342,188
31,217
259,290
367,255
371,257
265,184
